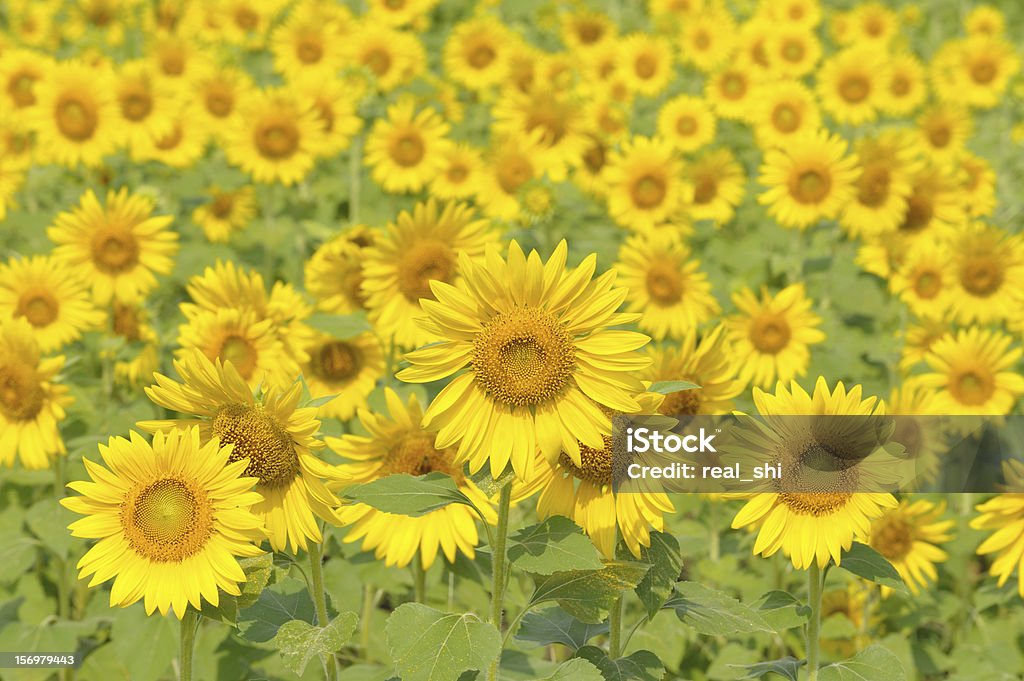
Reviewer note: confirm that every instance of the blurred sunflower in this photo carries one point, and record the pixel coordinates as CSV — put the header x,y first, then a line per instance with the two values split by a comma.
x,y
975,71
225,213
401,13
460,175
908,536
131,324
851,82
406,149
508,166
730,90
541,359
148,106
918,339
181,147
558,116
476,55
335,107
645,62
171,519
707,363
584,29
391,57
783,113
989,266
1003,516
974,372
334,273
922,435
216,98
304,44
76,114
718,185
348,368
880,202
943,130
926,280
687,123
645,185
21,71
792,52
274,438
906,88
978,184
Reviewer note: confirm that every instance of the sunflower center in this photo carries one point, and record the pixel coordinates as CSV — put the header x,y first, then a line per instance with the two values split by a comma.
x,y
39,308
172,60
815,504
125,322
21,392
646,66
549,115
222,205
940,135
114,250
686,125
589,32
172,139
310,49
415,454
77,117
136,104
793,50
649,191
900,85
524,357
246,18
219,100
337,361
457,173
919,213
240,352
981,275
408,149
425,261
972,386
733,86
705,190
20,88
892,537
785,118
326,113
595,464
873,186
168,521
983,72
378,61
258,437
928,284
810,185
854,88
682,403
664,283
770,333
514,172
480,56
277,138
595,157
908,432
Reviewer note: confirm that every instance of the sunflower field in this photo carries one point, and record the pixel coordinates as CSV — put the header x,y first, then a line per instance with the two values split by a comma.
x,y
316,315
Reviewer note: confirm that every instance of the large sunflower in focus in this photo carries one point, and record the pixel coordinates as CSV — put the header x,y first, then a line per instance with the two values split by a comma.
x,y
276,438
535,359
170,517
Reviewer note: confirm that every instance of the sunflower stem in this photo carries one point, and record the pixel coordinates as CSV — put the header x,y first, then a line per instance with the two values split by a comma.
x,y
355,160
815,585
316,575
714,536
189,626
498,566
615,629
419,579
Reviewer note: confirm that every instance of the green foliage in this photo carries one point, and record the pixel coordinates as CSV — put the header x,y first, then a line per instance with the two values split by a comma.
x,y
554,545
430,645
874,663
299,642
864,561
588,594
554,625
714,613
409,495
643,665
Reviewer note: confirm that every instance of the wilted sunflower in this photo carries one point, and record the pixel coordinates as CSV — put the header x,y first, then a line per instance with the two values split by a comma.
x,y
52,298
31,403
406,149
274,437
645,183
76,116
974,372
396,443
541,361
771,336
908,536
707,363
348,368
226,212
171,519
117,246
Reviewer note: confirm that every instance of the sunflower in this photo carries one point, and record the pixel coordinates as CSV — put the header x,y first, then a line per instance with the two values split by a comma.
x,y
226,212
718,185
978,183
943,130
850,84
31,402
401,12
406,149
509,165
276,439
935,206
131,324
418,248
805,13
985,20
584,29
216,96
730,91
179,59
918,340
181,147
170,517
811,180
558,116
873,24
815,526
348,368
118,246
76,114
21,72
974,372
460,175
582,490
923,439
1003,515
908,536
476,55
334,273
792,52
389,56
906,88
148,106
11,179
305,44
989,265
335,107
395,443
708,39
771,336
666,286
17,140
707,363
925,280
645,185
976,71
783,113
589,175
275,137
645,61
50,297
686,122
880,203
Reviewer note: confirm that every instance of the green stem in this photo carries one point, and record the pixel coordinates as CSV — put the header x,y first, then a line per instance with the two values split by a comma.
x,y
369,604
316,574
715,538
355,161
815,585
419,579
615,629
498,566
189,626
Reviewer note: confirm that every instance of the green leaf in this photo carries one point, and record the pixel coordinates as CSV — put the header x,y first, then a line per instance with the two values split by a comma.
x,y
430,645
299,642
490,485
340,326
874,663
588,594
787,667
555,545
782,610
282,602
225,611
714,613
864,561
666,560
576,669
257,574
49,521
669,387
405,494
554,625
643,665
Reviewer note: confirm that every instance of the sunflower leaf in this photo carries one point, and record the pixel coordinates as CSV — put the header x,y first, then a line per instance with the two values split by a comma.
x,y
787,667
588,594
299,642
874,663
555,545
669,387
409,495
666,560
282,602
643,665
490,485
714,613
340,326
864,561
429,645
554,625
576,669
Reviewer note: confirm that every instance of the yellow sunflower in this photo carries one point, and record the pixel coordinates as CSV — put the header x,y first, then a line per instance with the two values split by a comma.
x,y
131,324
476,55
707,363
584,29
401,12
923,439
645,62
908,536
906,88
390,57
974,372
873,24
814,527
935,206
171,519
508,165
306,44
21,71
718,185
645,183
216,96
17,141
975,71
850,84
459,177
687,123
225,213
783,113
880,203
708,39
557,115
926,280
918,339
792,52
181,147
406,149
1003,516
419,247
989,266
118,246
810,180
50,297
31,402
985,20
978,182
666,286
943,130
275,438
334,273
730,91
396,443
348,368
771,336
335,107
76,116
148,106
